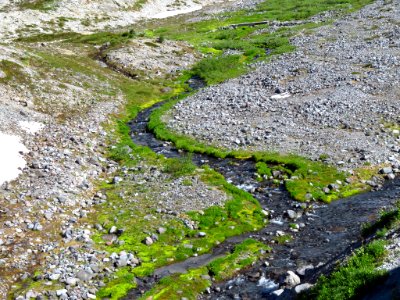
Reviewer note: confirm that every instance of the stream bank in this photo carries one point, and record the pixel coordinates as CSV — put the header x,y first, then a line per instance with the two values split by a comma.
x,y
320,234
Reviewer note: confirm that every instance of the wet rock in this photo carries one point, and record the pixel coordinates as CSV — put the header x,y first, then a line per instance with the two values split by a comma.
x,y
277,293
291,214
291,279
303,270
386,170
302,287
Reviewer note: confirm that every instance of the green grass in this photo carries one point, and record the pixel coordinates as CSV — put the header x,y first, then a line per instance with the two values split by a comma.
x,y
240,214
195,281
43,5
243,255
354,278
178,167
263,169
386,221
178,286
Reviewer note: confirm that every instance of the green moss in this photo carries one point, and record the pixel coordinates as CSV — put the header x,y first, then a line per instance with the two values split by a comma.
x,y
179,286
180,166
120,286
354,278
263,169
14,73
308,178
242,256
43,5
195,281
387,220
283,239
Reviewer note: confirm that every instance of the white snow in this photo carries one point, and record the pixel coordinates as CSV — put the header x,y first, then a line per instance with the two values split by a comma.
x,y
280,96
171,13
31,126
11,160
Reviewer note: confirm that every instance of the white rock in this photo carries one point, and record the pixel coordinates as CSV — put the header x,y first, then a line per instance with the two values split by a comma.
x,y
302,287
278,292
292,279
61,292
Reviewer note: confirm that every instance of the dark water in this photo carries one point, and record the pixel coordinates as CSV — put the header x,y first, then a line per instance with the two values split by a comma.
x,y
330,232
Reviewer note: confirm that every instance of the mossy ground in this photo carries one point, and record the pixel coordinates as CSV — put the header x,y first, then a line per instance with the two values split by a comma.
x,y
195,281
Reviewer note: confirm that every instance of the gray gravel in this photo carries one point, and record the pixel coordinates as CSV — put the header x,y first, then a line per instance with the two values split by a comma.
x,y
343,94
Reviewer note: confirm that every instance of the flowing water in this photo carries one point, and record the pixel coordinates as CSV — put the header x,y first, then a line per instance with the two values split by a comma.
x,y
328,232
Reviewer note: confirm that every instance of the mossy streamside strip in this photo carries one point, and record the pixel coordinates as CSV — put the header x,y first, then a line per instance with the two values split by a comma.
x,y
304,179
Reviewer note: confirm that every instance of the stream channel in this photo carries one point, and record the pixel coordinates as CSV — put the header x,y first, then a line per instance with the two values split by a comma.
x,y
327,233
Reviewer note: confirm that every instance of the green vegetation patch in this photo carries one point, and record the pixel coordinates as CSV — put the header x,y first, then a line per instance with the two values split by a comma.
x,y
195,281
387,220
355,277
132,211
178,286
242,256
307,179
14,73
43,5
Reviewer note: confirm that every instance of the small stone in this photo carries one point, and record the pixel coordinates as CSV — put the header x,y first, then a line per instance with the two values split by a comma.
x,y
390,176
90,296
116,180
148,241
113,229
302,287
386,170
61,292
161,230
291,214
292,279
72,281
202,234
84,276
54,276
303,270
278,292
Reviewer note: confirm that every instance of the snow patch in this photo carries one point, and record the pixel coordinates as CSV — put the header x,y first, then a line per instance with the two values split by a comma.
x,y
171,13
11,160
31,126
280,96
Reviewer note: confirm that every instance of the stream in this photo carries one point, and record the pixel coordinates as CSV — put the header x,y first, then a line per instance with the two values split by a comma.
x,y
327,233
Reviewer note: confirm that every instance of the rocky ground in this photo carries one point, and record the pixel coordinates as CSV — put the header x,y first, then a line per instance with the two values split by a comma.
x,y
55,103
336,96
148,58
30,17
53,100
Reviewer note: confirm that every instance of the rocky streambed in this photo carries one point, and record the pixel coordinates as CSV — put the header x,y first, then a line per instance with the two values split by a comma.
x,y
317,235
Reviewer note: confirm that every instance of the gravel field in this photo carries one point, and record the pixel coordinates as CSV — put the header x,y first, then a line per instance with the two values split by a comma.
x,y
338,95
